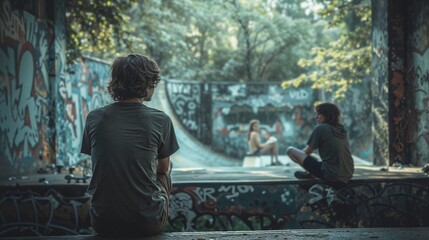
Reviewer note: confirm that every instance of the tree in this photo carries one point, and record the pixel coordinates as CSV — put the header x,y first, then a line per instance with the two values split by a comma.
x,y
347,60
267,39
97,28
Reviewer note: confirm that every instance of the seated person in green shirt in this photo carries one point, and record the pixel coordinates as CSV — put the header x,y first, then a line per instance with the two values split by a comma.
x,y
130,145
330,138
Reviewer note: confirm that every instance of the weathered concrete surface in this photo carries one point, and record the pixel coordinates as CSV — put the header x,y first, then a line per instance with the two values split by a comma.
x,y
234,174
344,233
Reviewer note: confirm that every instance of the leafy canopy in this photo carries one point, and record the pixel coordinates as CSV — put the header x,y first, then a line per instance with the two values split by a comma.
x,y
345,61
97,27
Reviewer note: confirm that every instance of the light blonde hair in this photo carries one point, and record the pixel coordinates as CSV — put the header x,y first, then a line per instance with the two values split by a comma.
x,y
251,124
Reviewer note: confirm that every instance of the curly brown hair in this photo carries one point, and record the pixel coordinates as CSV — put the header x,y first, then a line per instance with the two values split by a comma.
x,y
132,75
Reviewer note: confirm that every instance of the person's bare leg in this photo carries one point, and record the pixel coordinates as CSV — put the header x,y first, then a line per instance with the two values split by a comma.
x,y
272,147
276,153
296,155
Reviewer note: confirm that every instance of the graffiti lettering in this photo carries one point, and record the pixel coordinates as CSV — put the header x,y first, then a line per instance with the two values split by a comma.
x,y
79,93
319,193
204,193
181,205
299,94
12,26
24,88
185,100
235,190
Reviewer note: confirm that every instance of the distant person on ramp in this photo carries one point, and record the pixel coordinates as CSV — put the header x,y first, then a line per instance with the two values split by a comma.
x,y
330,138
256,148
130,146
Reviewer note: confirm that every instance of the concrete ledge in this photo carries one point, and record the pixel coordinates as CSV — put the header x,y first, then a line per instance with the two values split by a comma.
x,y
337,233
231,199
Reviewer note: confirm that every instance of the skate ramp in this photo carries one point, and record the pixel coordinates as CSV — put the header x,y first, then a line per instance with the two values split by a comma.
x,y
192,153
195,155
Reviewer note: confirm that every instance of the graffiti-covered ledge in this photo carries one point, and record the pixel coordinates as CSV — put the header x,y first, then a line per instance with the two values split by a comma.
x,y
230,199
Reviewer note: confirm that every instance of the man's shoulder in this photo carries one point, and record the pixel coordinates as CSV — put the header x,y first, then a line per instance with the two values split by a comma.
x,y
157,112
101,109
322,127
96,111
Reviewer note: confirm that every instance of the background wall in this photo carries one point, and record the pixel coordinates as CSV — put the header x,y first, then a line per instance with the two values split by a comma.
x,y
417,74
379,89
401,82
286,114
27,116
44,101
83,89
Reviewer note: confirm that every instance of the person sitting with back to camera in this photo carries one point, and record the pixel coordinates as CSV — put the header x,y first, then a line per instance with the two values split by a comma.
x,y
330,138
256,148
130,145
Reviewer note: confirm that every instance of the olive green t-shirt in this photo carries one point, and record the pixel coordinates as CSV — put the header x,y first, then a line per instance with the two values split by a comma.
x,y
334,150
125,139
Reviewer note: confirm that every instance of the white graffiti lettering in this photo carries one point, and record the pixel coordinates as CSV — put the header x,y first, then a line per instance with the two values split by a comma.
x,y
299,94
235,190
205,193
10,24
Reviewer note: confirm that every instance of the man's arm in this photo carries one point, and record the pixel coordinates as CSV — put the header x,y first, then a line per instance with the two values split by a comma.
x,y
308,150
163,165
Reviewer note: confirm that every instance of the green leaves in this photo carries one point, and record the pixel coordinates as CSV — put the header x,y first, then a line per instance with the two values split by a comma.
x,y
231,40
95,28
345,61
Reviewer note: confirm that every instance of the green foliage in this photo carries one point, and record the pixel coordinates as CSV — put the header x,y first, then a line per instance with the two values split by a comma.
x,y
97,28
345,61
229,40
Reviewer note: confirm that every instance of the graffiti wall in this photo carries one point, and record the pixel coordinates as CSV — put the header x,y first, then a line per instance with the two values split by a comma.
x,y
418,91
43,101
185,99
64,210
356,110
287,114
379,90
83,89
27,136
401,57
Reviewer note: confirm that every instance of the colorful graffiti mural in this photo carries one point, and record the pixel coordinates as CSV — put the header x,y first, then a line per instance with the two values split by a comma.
x,y
83,89
286,114
43,101
26,119
59,210
185,99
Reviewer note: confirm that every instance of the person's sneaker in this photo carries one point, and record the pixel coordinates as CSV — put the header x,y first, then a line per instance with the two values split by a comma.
x,y
303,175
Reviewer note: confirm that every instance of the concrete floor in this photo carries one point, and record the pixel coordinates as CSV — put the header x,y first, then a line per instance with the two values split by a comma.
x,y
326,234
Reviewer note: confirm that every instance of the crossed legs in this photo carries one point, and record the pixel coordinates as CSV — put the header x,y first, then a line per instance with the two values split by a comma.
x,y
296,155
312,165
